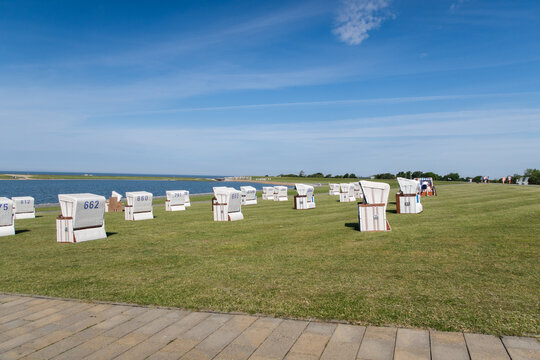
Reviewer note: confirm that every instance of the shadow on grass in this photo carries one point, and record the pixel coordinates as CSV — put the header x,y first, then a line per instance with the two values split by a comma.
x,y
111,233
392,211
352,225
21,231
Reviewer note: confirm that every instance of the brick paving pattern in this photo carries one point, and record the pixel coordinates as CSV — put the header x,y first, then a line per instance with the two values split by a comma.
x,y
41,328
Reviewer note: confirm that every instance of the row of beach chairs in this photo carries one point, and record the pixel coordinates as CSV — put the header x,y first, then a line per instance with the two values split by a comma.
x,y
82,215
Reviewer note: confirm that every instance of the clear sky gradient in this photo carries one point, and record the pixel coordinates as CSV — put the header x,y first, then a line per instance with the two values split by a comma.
x,y
269,87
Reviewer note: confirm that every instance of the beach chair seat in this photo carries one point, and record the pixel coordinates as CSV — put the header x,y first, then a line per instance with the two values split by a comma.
x,y
305,198
7,223
249,195
372,210
81,219
227,204
139,206
23,207
408,198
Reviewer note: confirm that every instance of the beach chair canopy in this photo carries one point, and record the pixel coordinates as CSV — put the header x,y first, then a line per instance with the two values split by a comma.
x,y
86,209
140,200
375,192
408,186
23,204
6,211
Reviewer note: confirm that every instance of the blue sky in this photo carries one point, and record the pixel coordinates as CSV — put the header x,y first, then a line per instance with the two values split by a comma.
x,y
269,87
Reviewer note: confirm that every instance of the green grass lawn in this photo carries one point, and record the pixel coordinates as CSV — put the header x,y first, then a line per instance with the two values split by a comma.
x,y
469,262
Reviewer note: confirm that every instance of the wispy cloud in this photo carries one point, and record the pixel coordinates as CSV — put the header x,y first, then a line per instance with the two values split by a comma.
x,y
357,17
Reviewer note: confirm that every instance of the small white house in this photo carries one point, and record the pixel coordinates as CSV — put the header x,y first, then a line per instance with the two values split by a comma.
x,y
249,195
346,193
139,206
7,223
334,189
372,212
176,200
82,218
280,193
227,204
268,193
305,198
23,207
408,197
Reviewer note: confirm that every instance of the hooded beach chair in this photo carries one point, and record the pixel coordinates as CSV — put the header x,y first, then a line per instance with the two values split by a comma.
x,y
114,204
176,200
268,193
227,204
372,211
427,186
82,218
280,193
139,206
23,207
334,189
249,195
7,223
305,198
408,197
346,192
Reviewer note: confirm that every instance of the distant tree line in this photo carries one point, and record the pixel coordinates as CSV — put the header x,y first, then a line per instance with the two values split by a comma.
x,y
320,175
532,174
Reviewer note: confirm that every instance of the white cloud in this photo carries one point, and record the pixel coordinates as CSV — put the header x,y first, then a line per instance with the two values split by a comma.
x,y
357,17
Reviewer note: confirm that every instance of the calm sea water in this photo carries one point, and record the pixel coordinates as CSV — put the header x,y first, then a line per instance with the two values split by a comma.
x,y
46,191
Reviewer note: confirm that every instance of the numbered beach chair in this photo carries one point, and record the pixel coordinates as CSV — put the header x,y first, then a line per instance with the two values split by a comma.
x,y
227,204
114,204
334,189
346,193
7,223
268,193
249,195
372,211
427,187
139,206
176,200
23,207
305,198
81,219
408,197
280,193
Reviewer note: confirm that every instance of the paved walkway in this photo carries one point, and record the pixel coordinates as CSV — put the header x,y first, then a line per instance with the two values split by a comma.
x,y
39,328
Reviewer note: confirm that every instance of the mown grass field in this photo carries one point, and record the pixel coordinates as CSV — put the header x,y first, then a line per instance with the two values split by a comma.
x,y
469,262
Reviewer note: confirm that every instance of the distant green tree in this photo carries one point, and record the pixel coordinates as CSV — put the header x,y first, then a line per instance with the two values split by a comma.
x,y
346,175
534,176
385,176
451,177
417,174
477,179
319,174
352,176
404,174
302,173
328,176
432,175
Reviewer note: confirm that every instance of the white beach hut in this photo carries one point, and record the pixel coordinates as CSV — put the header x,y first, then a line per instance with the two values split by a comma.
x,y
81,219
7,224
305,198
139,206
346,192
334,189
227,204
408,197
280,193
176,200
268,193
249,195
23,207
372,211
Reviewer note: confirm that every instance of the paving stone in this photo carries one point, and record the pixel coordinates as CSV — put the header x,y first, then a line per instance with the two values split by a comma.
x,y
217,341
133,324
378,343
448,346
47,339
280,341
412,344
321,328
16,341
171,332
521,348
485,347
248,341
157,325
140,351
309,344
344,343
108,352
